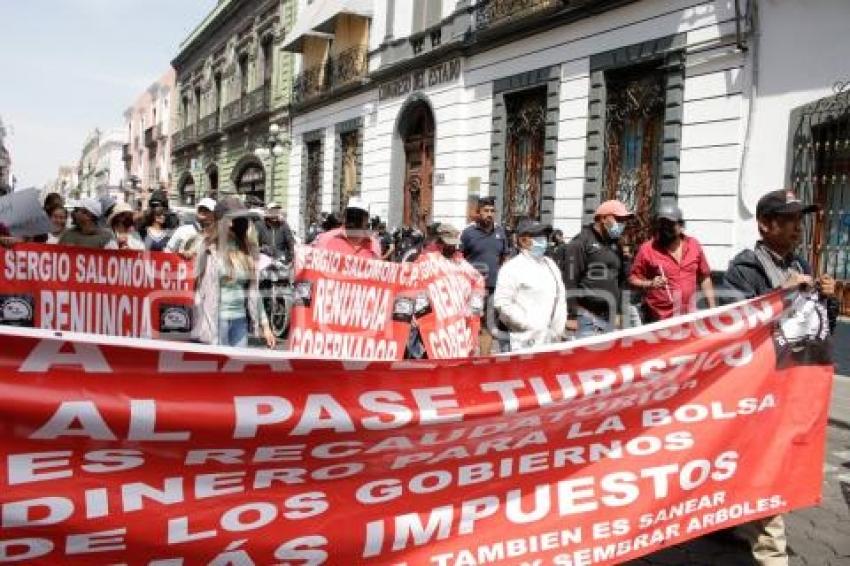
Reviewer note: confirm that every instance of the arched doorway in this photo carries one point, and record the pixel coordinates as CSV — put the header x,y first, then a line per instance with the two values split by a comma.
x,y
186,190
212,177
250,180
416,133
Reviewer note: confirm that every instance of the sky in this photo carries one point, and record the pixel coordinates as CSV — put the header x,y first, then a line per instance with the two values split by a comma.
x,y
69,66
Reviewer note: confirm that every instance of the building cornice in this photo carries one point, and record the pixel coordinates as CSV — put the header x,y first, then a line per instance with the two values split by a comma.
x,y
460,38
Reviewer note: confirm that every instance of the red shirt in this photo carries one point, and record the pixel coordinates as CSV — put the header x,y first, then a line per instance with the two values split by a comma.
x,y
677,297
335,240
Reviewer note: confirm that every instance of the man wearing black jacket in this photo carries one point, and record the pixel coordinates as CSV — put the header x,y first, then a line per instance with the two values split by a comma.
x,y
275,236
594,271
771,264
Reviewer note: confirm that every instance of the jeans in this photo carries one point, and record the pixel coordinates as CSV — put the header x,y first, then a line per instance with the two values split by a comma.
x,y
233,332
592,325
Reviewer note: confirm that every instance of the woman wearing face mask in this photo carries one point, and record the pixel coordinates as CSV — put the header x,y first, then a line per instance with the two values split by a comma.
x,y
227,298
530,297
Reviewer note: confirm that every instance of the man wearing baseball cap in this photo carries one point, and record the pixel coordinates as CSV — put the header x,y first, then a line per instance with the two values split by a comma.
x,y
594,270
354,236
275,236
186,240
86,233
669,267
774,263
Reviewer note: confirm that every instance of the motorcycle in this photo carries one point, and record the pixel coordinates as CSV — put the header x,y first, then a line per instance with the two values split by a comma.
x,y
276,288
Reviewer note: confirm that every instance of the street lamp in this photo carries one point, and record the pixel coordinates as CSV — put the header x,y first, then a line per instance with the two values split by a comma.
x,y
275,147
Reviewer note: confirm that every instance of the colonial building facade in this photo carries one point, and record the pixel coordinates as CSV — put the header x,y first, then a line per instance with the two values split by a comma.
x,y
147,147
553,106
5,163
101,169
231,111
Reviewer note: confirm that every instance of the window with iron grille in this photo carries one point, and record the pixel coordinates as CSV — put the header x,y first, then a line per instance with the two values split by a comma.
x,y
524,142
634,126
819,171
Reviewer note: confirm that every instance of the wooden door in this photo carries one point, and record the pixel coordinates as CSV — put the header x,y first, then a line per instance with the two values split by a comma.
x,y
419,169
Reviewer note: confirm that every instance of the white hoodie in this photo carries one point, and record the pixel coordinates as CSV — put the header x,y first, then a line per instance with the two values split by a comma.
x,y
527,290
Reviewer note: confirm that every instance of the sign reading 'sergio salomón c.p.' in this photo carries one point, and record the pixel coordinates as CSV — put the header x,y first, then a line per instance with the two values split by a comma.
x,y
420,79
111,292
597,452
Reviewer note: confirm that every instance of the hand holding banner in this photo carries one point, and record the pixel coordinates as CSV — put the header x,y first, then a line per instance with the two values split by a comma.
x,y
593,452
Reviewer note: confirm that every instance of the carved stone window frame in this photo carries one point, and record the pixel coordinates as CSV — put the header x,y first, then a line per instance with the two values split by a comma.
x,y
669,53
550,77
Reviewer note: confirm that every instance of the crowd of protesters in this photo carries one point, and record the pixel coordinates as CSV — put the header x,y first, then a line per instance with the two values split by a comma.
x,y
541,287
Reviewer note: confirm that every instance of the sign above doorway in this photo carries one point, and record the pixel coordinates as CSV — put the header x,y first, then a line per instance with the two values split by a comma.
x,y
416,80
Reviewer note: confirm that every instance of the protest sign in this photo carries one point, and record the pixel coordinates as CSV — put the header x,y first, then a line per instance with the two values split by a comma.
x,y
111,292
594,452
451,320
21,212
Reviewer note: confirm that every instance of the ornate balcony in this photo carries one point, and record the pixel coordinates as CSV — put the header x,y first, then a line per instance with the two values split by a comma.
x,y
344,69
490,13
208,127
183,138
255,104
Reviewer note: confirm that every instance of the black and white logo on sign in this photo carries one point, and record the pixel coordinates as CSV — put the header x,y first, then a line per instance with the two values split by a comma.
x,y
17,310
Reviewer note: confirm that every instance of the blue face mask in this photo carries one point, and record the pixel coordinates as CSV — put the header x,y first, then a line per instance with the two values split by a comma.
x,y
616,230
538,247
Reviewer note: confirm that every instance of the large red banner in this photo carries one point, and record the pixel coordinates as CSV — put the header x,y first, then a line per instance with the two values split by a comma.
x,y
111,292
595,452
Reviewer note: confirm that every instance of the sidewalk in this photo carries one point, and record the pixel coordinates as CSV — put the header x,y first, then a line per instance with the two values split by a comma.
x,y
839,410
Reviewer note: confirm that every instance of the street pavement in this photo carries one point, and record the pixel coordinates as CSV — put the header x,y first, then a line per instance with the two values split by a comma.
x,y
817,536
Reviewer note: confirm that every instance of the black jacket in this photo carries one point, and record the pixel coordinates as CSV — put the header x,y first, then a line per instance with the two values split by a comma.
x,y
594,269
747,277
276,242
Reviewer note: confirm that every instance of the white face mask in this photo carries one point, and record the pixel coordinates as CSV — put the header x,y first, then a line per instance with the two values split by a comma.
x,y
538,247
615,230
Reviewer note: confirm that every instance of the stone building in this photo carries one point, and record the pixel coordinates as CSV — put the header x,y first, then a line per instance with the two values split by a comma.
x,y
553,106
231,110
147,147
101,168
5,163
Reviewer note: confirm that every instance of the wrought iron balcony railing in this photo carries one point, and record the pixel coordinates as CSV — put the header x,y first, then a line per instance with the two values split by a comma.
x,y
208,126
184,137
336,72
252,105
490,13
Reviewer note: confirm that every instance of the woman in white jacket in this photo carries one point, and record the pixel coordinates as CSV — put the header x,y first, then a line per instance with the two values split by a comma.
x,y
530,297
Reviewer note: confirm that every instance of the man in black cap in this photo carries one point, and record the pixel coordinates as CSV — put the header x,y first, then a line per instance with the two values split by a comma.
x,y
530,296
771,264
485,245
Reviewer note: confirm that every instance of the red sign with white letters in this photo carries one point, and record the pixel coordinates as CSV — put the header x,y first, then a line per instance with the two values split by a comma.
x,y
116,293
596,452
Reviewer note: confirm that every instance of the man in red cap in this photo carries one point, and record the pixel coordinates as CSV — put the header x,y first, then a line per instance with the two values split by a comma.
x,y
594,270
